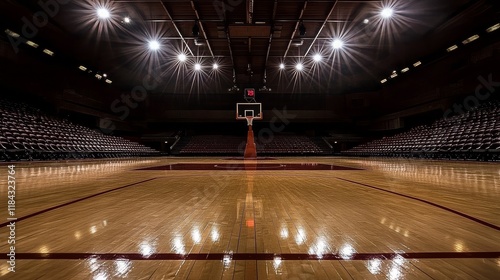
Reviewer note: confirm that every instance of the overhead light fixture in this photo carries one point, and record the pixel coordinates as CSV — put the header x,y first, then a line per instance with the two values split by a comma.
x,y
105,75
297,42
154,45
470,39
383,81
48,52
103,13
418,63
83,68
196,29
198,42
302,29
98,76
366,21
32,44
127,20
260,22
317,57
493,28
109,81
12,33
197,67
181,57
387,12
299,66
394,74
282,66
452,48
405,70
337,44
215,66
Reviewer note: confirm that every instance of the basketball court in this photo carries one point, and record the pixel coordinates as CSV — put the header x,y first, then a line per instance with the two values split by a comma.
x,y
282,218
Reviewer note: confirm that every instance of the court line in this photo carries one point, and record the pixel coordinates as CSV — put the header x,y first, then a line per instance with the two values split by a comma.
x,y
74,201
477,220
254,256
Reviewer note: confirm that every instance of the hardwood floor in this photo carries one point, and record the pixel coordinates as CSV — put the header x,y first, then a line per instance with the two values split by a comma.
x,y
288,218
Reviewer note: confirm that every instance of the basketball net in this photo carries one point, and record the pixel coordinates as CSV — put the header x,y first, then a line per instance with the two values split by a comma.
x,y
249,120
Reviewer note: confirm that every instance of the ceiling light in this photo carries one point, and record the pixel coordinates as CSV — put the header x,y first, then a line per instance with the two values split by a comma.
x,y
109,81
452,48
282,66
317,57
103,13
127,20
105,75
12,33
387,12
154,45
366,21
470,39
83,68
383,81
299,66
215,66
98,76
48,52
416,64
197,67
32,44
493,28
394,75
337,44
405,70
302,29
182,57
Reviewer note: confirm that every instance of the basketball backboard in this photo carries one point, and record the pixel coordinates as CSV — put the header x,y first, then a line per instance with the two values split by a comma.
x,y
244,110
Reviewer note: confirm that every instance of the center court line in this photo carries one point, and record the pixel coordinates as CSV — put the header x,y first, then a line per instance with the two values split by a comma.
x,y
477,220
254,256
75,201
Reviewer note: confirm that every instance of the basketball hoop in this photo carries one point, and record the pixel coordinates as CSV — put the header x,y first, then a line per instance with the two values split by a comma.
x,y
249,120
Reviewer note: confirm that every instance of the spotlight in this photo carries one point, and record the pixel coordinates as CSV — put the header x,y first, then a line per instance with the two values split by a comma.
x,y
127,20
103,13
282,66
105,75
182,57
366,21
317,57
197,67
337,44
215,66
387,12
299,66
154,45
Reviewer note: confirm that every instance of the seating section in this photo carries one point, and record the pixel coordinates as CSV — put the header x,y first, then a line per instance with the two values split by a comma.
x,y
28,134
473,135
234,145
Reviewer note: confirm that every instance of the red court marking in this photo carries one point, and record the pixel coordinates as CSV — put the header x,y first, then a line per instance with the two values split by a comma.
x,y
253,256
477,220
249,166
73,202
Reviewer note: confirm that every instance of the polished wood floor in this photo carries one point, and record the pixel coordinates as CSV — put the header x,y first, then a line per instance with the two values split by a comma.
x,y
288,218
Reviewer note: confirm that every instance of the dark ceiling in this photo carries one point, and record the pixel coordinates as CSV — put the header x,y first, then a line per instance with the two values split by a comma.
x,y
250,38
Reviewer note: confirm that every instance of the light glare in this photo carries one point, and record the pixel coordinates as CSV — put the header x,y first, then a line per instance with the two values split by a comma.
x,y
182,57
337,44
282,66
299,66
154,45
103,13
215,66
317,57
197,67
387,12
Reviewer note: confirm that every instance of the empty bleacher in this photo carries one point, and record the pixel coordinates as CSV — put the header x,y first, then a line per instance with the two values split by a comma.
x,y
205,145
26,133
474,135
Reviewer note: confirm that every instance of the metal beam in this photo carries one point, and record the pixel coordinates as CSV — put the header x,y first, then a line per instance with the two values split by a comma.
x,y
193,5
322,26
295,30
275,7
176,28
